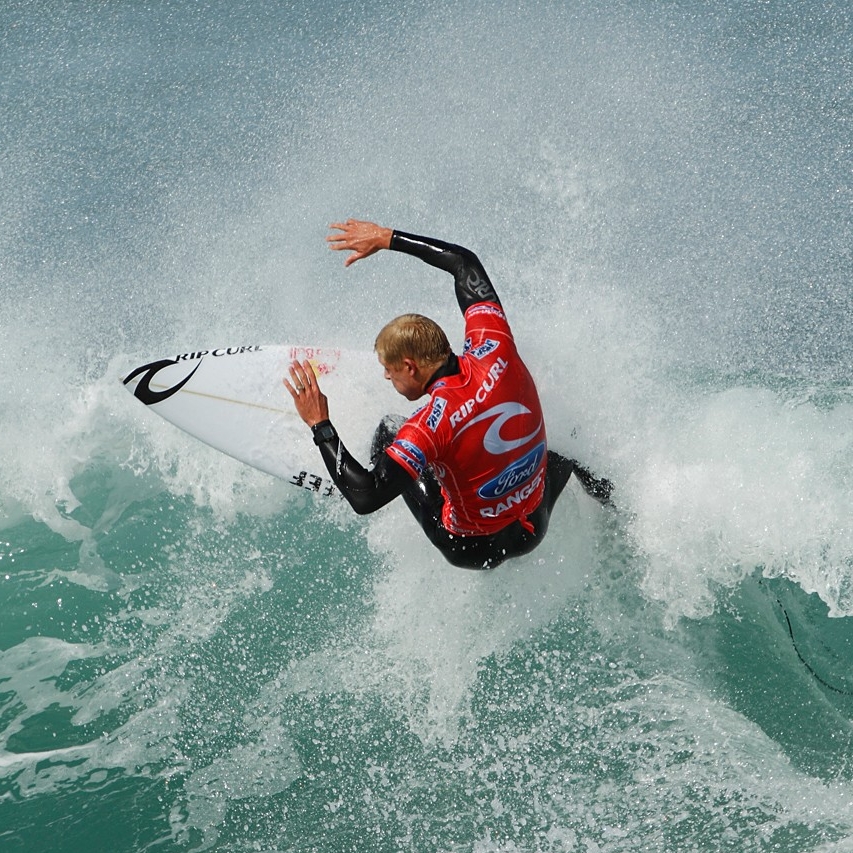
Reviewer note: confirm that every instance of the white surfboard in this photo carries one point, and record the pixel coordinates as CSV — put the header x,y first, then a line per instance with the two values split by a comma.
x,y
233,399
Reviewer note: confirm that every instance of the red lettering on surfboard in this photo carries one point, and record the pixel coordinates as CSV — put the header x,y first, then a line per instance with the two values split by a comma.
x,y
323,359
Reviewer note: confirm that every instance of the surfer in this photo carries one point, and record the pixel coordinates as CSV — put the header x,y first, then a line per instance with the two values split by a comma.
x,y
473,464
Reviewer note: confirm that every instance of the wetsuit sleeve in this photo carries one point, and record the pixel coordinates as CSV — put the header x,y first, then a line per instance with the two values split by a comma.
x,y
365,490
472,282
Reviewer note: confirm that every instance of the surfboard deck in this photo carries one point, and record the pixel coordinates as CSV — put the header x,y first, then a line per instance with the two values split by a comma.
x,y
233,399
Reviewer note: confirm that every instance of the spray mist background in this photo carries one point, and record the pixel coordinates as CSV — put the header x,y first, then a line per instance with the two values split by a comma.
x,y
193,657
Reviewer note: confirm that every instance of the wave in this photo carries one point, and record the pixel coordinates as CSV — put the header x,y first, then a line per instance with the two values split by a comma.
x,y
659,196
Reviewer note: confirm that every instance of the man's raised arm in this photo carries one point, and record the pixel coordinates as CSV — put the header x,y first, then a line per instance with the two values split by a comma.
x,y
366,238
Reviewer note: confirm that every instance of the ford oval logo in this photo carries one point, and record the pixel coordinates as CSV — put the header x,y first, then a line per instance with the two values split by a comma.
x,y
514,475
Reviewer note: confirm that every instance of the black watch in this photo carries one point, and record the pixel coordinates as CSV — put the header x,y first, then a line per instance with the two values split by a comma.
x,y
323,431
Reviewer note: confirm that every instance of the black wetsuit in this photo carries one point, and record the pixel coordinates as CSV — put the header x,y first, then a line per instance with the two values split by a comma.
x,y
368,490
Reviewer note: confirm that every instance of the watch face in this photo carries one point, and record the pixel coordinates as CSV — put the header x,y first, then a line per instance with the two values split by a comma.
x,y
324,433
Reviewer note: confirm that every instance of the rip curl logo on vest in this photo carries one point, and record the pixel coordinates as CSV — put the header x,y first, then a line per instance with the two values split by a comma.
x,y
143,390
493,441
514,475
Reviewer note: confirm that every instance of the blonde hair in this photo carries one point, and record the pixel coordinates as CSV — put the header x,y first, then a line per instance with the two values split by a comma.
x,y
412,336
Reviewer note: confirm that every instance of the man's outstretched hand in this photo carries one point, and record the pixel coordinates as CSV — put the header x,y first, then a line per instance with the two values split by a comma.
x,y
359,237
311,403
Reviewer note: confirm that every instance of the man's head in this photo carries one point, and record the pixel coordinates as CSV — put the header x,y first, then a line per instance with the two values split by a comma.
x,y
411,348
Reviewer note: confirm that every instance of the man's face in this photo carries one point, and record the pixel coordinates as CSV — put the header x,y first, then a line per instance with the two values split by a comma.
x,y
405,378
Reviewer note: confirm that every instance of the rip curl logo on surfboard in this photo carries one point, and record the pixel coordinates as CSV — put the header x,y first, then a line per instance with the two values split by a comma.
x,y
146,394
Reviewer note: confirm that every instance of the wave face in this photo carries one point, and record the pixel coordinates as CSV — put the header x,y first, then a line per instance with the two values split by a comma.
x,y
194,656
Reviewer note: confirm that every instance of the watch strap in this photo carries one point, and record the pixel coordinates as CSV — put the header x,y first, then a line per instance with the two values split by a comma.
x,y
323,431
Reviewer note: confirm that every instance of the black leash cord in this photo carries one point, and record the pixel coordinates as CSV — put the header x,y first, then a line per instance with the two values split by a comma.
x,y
806,664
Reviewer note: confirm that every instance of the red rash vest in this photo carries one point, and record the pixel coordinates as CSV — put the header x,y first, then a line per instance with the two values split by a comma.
x,y
482,432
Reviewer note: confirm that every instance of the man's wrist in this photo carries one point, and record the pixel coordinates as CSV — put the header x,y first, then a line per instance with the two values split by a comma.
x,y
323,431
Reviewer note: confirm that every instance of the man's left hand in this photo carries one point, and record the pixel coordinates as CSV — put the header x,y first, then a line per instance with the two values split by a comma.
x,y
311,403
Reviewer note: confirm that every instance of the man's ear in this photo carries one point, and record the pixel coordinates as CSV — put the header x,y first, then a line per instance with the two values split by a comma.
x,y
411,366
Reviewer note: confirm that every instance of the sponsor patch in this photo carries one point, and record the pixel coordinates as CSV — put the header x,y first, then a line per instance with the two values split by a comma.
x,y
485,348
484,308
409,454
514,475
515,499
439,404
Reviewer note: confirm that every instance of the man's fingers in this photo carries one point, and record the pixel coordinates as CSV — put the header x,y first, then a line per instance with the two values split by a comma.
x,y
310,402
355,256
344,228
337,241
302,376
309,376
293,388
297,378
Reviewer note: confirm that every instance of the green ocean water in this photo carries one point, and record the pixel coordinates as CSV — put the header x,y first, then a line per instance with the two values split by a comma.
x,y
194,656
